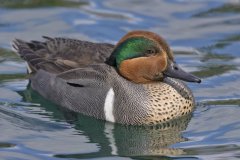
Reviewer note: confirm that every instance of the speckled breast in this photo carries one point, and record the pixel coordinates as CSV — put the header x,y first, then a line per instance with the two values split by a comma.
x,y
168,100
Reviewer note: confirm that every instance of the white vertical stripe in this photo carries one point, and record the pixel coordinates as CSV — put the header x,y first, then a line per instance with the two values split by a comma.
x,y
29,69
108,106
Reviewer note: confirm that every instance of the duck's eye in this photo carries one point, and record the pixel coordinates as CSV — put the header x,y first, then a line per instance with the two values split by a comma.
x,y
150,51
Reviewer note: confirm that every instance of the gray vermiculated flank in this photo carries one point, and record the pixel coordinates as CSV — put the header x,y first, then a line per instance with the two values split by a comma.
x,y
89,99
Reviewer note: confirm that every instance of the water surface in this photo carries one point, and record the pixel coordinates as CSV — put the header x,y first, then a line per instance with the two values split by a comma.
x,y
205,36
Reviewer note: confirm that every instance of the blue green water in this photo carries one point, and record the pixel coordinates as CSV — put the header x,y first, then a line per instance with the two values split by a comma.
x,y
205,37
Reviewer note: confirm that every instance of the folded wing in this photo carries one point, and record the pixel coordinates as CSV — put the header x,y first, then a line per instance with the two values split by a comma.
x,y
57,55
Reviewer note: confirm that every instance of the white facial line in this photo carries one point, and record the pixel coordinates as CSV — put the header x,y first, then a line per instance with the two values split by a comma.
x,y
108,106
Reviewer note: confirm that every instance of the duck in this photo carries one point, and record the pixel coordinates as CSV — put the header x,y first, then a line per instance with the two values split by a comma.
x,y
135,82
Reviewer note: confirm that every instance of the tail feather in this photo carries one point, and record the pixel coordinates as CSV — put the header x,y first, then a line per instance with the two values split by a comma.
x,y
48,38
36,45
34,53
26,51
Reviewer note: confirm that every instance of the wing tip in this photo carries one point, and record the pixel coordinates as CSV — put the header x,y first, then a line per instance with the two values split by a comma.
x,y
15,46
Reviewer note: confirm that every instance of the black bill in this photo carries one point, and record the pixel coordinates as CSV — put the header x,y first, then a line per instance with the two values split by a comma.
x,y
174,71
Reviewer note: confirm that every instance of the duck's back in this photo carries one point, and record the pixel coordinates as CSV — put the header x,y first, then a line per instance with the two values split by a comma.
x,y
57,55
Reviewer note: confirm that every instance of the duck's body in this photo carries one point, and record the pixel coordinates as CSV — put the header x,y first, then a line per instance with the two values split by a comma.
x,y
73,74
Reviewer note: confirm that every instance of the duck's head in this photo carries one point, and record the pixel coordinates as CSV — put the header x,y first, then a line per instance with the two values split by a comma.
x,y
142,57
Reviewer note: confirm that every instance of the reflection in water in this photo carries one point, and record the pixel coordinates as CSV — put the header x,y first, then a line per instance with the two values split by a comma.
x,y
224,102
223,43
6,55
216,64
214,70
223,9
6,145
25,122
8,62
214,56
16,4
116,139
12,76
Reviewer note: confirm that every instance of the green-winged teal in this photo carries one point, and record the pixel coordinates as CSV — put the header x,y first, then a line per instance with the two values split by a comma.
x,y
128,83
